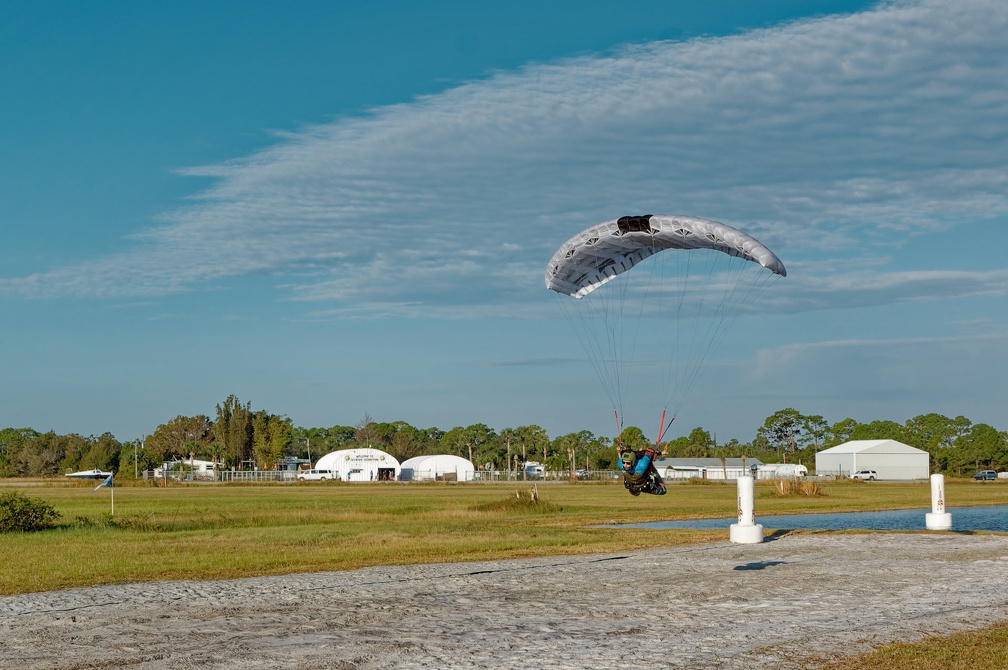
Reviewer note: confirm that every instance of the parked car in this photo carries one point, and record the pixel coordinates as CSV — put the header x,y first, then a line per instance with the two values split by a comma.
x,y
865,474
985,475
316,475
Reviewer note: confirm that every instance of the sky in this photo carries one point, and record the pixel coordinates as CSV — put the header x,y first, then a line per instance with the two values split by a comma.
x,y
333,210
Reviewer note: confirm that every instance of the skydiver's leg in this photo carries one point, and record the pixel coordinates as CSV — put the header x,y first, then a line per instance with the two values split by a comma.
x,y
657,484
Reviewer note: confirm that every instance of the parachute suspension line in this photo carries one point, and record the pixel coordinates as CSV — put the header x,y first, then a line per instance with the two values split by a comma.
x,y
741,283
591,342
661,431
619,433
727,288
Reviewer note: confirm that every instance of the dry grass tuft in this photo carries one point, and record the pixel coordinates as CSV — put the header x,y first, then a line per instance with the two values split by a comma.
x,y
796,487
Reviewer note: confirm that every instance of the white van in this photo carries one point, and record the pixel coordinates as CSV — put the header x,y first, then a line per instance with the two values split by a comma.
x,y
316,475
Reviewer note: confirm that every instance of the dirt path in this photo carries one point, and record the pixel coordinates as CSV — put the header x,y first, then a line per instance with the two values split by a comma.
x,y
784,603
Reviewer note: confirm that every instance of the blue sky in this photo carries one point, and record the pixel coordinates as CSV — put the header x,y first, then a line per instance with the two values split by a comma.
x,y
332,209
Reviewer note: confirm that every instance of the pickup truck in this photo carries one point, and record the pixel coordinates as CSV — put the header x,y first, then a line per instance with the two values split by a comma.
x,y
985,475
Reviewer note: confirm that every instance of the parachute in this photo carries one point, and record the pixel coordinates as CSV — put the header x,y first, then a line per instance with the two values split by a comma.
x,y
692,276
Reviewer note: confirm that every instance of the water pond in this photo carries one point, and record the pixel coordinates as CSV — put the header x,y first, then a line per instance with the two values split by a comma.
x,y
993,518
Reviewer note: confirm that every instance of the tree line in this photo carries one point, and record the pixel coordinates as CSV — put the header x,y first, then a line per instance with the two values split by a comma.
x,y
240,437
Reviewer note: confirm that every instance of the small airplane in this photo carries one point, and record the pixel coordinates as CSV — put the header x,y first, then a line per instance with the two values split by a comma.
x,y
90,474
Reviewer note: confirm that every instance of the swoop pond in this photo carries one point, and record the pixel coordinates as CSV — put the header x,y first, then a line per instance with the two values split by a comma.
x,y
990,518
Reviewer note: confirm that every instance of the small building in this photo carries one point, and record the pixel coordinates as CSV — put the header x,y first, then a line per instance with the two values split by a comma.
x,y
294,463
781,471
440,467
187,468
888,458
360,465
706,468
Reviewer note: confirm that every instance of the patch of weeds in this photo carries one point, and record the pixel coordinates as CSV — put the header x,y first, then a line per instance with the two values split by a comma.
x,y
19,513
527,502
796,487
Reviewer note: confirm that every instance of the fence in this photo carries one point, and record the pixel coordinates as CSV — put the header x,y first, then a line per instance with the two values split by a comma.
x,y
258,475
290,476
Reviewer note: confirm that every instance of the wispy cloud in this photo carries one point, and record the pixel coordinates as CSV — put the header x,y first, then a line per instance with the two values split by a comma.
x,y
819,137
859,286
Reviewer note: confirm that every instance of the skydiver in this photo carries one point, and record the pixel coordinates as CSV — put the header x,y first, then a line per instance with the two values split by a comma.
x,y
639,474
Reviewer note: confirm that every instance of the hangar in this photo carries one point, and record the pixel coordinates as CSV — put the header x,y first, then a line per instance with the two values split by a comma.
x,y
360,465
889,458
440,467
706,468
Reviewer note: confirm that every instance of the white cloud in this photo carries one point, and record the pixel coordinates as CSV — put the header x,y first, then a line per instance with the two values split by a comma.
x,y
818,137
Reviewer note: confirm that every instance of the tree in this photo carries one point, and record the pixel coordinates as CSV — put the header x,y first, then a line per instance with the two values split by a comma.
x,y
216,451
879,430
533,439
42,455
102,453
175,439
841,432
366,433
932,432
281,432
699,443
781,430
576,446
633,438
813,431
233,429
477,442
13,440
983,447
406,443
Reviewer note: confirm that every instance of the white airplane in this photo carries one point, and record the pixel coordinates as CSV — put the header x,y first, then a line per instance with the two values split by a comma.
x,y
90,474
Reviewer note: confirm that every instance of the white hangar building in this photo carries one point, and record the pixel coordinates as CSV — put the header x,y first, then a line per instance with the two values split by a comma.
x,y
360,465
441,467
889,458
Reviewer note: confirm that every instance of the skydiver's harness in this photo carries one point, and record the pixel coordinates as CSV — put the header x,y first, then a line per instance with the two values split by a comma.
x,y
642,483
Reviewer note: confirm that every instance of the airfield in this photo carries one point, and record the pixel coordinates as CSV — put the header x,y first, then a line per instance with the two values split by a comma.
x,y
795,601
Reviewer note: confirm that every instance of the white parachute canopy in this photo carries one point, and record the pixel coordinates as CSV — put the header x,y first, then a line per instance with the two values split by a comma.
x,y
693,276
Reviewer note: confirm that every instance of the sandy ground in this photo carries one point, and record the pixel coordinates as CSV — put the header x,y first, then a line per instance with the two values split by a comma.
x,y
790,602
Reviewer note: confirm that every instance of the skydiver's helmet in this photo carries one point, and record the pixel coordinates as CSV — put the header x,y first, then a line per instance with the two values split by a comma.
x,y
628,460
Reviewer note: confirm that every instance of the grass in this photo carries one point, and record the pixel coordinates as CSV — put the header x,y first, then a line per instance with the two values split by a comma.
x,y
986,648
206,531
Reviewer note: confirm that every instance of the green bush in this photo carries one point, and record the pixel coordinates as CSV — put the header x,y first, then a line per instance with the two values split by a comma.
x,y
19,513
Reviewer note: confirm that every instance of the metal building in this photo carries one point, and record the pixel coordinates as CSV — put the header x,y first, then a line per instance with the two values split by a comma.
x,y
440,467
706,468
890,459
360,465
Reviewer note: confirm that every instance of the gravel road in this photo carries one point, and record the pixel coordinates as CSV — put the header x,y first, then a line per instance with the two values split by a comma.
x,y
790,602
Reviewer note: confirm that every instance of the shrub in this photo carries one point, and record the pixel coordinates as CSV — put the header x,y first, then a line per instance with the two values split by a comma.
x,y
19,513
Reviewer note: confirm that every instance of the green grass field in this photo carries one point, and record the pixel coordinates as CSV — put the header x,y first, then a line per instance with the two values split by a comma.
x,y
225,531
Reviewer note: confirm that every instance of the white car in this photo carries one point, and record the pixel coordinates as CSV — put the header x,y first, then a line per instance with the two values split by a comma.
x,y
865,474
316,475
